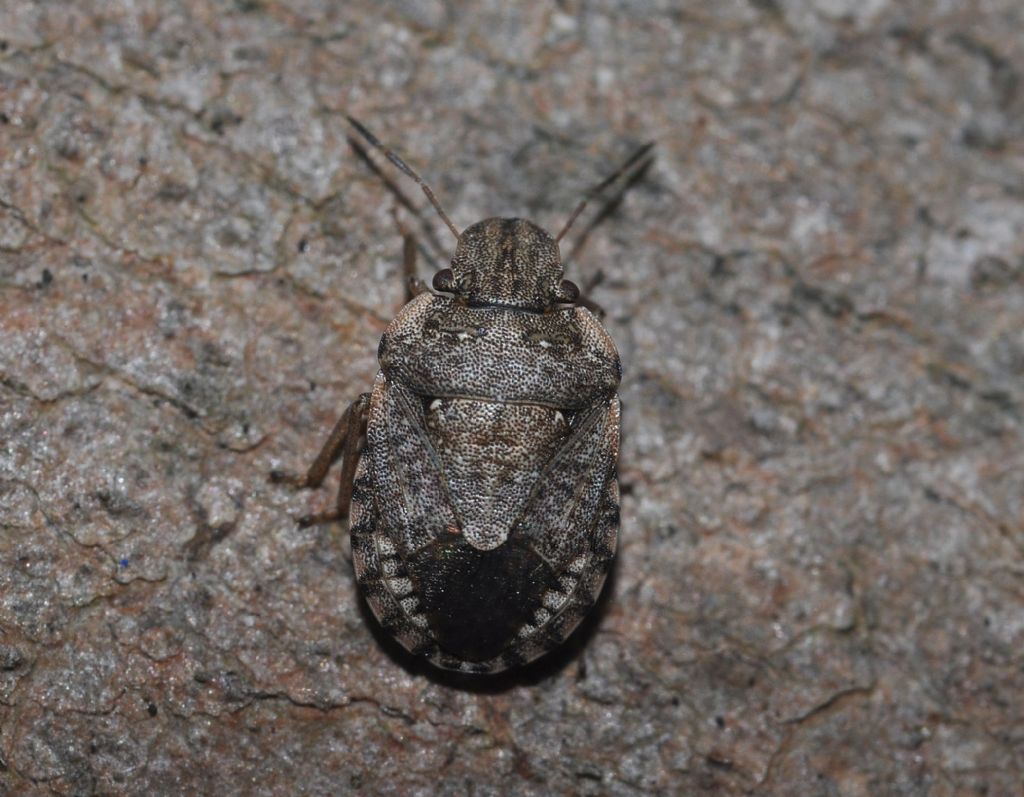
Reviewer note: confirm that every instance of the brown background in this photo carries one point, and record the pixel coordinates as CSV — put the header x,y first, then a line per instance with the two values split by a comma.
x,y
817,290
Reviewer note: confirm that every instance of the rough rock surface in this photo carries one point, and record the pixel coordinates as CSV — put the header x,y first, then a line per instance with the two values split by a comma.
x,y
818,292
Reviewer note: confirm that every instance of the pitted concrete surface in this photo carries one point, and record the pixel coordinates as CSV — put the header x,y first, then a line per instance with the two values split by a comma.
x,y
817,291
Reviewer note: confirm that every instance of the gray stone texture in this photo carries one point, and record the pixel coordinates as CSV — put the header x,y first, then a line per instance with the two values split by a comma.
x,y
817,291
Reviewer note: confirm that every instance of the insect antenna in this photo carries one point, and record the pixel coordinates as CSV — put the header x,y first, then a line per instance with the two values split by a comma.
x,y
607,208
401,164
607,181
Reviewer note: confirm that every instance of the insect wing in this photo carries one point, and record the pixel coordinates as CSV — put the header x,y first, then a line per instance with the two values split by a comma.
x,y
565,500
571,518
413,501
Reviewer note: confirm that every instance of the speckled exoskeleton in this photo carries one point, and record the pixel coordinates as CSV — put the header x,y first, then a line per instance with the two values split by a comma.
x,y
479,474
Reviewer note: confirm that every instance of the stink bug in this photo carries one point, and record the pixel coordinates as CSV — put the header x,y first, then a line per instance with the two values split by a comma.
x,y
479,474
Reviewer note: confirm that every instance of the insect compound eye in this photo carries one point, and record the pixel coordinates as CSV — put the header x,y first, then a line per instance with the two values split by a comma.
x,y
568,291
444,281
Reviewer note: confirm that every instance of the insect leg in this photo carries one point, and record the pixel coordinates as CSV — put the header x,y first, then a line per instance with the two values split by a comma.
x,y
355,439
414,286
591,305
328,455
345,440
584,299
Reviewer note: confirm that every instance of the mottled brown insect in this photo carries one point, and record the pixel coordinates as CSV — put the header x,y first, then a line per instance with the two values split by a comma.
x,y
480,470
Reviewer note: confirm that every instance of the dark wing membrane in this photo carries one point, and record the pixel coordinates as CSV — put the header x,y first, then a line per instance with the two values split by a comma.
x,y
560,514
477,601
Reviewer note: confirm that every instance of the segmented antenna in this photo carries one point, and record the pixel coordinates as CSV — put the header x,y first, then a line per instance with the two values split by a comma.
x,y
391,156
597,189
